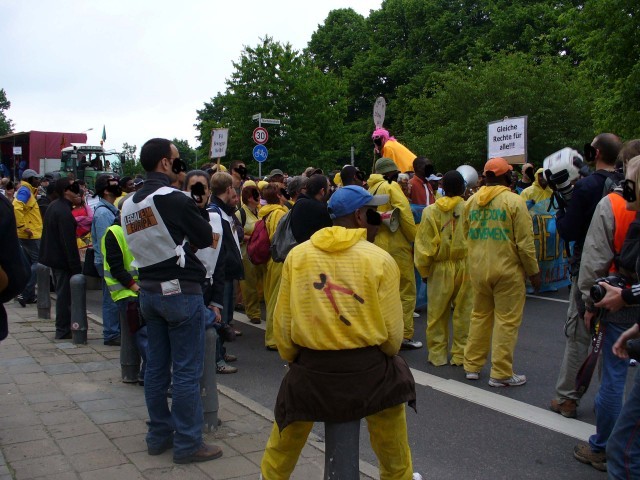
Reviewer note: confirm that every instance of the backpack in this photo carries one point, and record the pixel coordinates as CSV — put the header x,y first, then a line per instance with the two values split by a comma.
x,y
283,240
259,245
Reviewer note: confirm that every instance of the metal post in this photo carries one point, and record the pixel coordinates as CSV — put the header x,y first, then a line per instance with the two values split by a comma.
x,y
78,286
129,355
43,278
260,163
353,161
208,384
342,450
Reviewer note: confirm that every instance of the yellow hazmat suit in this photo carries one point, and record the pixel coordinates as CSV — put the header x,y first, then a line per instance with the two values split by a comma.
x,y
253,274
398,243
535,192
306,318
501,251
401,155
441,256
274,270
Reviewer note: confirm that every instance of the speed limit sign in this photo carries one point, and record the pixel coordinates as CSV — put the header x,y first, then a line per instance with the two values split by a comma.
x,y
260,135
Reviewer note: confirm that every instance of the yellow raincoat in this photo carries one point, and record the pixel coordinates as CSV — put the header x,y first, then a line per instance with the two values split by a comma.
x,y
441,256
501,251
535,192
253,274
274,269
401,155
398,243
305,317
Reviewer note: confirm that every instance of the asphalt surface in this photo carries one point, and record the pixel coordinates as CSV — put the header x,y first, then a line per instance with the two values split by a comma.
x,y
509,433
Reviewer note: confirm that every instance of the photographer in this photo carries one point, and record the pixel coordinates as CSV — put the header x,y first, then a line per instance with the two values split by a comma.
x,y
573,224
602,246
623,447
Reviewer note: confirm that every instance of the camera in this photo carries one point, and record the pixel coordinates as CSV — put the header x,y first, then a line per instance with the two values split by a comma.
x,y
633,348
598,292
561,170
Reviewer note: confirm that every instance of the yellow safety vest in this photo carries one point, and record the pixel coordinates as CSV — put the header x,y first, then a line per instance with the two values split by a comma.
x,y
116,289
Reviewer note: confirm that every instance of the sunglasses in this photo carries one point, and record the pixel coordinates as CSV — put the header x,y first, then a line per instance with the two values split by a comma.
x,y
74,187
178,165
629,190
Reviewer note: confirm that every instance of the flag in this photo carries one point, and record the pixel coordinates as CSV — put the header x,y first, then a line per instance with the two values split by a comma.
x,y
104,135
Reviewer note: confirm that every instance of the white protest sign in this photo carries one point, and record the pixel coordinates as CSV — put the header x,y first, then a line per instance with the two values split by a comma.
x,y
219,139
17,150
379,109
507,138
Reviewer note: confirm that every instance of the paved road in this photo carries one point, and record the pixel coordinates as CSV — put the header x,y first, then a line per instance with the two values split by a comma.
x,y
463,429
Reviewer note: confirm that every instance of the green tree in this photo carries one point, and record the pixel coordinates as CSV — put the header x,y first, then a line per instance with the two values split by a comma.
x,y
604,37
281,83
6,125
130,165
449,122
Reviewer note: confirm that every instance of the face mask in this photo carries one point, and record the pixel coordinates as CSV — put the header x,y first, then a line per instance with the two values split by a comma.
x,y
589,153
373,218
242,171
393,178
178,166
74,188
197,192
255,195
631,184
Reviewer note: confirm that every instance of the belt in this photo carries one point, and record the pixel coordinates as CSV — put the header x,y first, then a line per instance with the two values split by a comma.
x,y
187,288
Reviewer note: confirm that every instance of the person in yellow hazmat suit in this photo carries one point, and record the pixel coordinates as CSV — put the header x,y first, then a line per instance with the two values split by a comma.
x,y
399,243
539,190
273,211
389,147
501,252
441,257
338,328
251,286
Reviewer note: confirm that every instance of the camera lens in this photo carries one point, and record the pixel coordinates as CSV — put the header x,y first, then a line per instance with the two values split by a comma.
x,y
597,293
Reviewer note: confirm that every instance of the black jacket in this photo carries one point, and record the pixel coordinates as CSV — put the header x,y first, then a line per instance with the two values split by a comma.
x,y
229,264
182,218
58,246
308,215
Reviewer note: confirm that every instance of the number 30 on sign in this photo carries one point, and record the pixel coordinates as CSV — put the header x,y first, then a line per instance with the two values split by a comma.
x,y
260,135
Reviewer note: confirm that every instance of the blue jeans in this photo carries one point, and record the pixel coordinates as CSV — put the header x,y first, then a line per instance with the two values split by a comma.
x,y
110,313
608,401
175,327
623,447
31,248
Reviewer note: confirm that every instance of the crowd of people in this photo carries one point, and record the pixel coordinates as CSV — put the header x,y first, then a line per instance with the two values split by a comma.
x,y
333,258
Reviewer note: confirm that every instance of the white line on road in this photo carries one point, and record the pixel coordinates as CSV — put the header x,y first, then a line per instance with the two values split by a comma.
x,y
508,406
548,298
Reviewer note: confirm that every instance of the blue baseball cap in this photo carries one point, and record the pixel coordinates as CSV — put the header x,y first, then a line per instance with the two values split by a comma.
x,y
347,200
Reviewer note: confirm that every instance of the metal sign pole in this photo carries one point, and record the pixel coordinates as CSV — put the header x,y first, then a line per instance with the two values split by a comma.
x,y
260,163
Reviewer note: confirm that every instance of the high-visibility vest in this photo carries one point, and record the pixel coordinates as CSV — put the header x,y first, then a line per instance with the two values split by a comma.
x,y
116,289
623,219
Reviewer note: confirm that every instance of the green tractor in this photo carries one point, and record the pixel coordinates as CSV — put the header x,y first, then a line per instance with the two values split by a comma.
x,y
86,162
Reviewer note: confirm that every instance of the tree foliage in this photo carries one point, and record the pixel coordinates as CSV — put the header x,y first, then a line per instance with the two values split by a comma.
x,y
6,125
446,68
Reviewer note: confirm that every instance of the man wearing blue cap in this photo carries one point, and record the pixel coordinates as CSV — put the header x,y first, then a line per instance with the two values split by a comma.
x,y
338,322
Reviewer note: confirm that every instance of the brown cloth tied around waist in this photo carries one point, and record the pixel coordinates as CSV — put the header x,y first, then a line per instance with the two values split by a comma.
x,y
342,386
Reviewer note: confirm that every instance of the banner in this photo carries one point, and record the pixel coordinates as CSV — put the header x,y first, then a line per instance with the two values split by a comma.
x,y
550,248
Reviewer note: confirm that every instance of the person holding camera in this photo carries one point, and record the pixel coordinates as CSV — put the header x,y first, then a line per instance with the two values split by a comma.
x,y
623,446
602,245
573,219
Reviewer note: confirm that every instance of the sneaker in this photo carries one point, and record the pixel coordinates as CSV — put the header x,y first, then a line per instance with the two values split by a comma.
x,y
23,302
513,381
416,315
410,344
567,408
230,358
255,321
416,476
472,375
237,332
583,453
225,369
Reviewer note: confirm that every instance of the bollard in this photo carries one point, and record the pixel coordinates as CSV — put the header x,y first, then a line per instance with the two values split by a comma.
x,y
129,355
208,383
43,276
342,450
78,309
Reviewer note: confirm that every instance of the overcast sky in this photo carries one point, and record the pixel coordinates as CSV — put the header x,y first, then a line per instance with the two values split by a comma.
x,y
141,68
